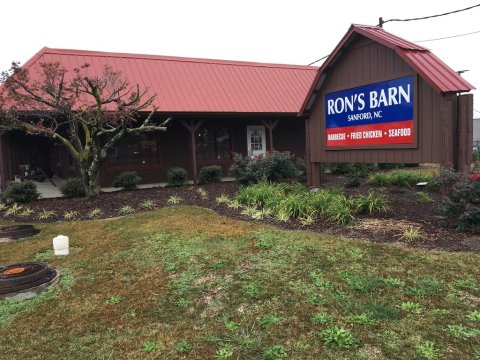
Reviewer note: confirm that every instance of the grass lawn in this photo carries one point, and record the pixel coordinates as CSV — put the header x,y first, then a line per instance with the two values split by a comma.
x,y
183,282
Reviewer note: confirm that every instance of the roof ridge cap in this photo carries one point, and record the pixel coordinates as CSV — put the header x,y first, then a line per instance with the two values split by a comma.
x,y
174,58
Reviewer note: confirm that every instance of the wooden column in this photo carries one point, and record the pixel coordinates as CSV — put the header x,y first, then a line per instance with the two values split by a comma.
x,y
464,153
447,120
270,125
192,127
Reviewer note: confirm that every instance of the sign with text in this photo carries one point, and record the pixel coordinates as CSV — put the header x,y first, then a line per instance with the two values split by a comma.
x,y
374,114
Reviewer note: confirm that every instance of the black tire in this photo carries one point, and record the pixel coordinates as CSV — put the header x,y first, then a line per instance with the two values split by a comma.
x,y
33,272
17,231
49,276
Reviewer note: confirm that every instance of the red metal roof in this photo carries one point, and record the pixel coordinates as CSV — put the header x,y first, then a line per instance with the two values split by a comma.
x,y
433,70
197,85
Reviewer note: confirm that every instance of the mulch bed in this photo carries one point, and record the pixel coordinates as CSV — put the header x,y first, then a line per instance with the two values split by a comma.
x,y
406,212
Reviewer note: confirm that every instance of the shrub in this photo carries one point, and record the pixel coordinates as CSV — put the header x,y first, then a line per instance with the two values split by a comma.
x,y
447,178
402,178
463,204
177,176
275,166
370,203
423,197
389,166
352,182
210,174
294,201
73,187
302,170
246,170
280,166
411,234
127,180
260,194
21,192
352,170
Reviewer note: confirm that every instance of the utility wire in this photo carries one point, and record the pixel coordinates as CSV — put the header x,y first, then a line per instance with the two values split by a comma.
x,y
319,60
381,22
449,37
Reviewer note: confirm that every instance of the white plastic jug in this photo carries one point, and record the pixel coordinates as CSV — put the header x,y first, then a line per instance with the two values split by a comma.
x,y
60,245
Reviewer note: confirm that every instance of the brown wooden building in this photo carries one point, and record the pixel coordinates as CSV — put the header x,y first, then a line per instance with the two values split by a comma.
x,y
361,73
226,107
218,107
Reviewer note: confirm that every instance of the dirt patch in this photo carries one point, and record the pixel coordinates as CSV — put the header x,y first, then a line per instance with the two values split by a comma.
x,y
407,212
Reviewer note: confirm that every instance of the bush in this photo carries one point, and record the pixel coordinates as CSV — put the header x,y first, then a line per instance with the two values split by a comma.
x,y
73,187
463,203
447,178
210,174
358,170
390,166
275,166
280,166
127,180
21,192
302,170
402,178
294,201
370,203
352,182
176,176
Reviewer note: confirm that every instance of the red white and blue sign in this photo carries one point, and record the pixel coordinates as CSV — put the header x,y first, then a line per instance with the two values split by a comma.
x,y
374,114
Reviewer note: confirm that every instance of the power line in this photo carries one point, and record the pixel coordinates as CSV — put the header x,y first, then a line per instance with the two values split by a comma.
x,y
417,41
318,60
449,37
381,21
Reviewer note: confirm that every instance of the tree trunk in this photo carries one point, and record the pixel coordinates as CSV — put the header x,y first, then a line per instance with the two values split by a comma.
x,y
90,183
93,189
89,172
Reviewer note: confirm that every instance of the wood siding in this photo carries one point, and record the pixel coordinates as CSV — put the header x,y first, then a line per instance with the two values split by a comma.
x,y
366,62
175,147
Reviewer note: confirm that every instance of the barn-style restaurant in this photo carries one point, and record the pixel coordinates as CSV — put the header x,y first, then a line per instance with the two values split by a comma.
x,y
377,98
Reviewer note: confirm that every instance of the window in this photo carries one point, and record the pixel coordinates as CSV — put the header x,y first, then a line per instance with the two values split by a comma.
x,y
256,140
213,143
134,150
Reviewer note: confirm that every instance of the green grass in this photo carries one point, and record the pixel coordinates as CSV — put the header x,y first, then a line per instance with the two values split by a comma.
x,y
183,282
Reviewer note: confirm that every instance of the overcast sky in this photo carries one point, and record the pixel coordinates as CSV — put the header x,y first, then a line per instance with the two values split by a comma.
x,y
275,31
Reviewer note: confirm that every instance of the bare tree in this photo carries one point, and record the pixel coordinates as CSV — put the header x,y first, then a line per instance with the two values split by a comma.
x,y
87,113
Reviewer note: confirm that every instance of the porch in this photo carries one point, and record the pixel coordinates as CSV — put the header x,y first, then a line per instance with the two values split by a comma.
x,y
190,142
194,142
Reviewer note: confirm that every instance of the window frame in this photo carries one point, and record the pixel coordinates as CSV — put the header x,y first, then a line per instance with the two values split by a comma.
x,y
215,159
135,166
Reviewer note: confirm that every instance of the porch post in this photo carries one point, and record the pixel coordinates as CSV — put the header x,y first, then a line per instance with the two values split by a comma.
x,y
270,125
192,128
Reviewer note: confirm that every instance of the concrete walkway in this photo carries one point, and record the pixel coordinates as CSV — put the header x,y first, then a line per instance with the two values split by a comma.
x,y
47,190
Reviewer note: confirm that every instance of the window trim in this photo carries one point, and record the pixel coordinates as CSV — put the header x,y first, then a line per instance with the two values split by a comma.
x,y
153,165
215,160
